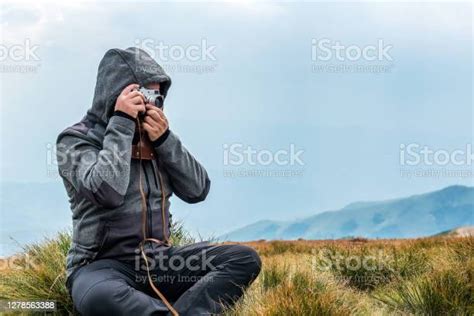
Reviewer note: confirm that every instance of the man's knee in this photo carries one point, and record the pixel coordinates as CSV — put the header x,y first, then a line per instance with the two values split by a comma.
x,y
256,258
255,265
245,260
103,297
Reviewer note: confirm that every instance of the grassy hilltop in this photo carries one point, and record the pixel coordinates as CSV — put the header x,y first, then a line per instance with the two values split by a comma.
x,y
430,276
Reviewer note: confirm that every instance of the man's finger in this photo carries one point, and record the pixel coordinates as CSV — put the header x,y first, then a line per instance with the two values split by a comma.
x,y
154,115
154,107
148,120
154,122
147,127
134,94
140,108
130,88
161,114
137,100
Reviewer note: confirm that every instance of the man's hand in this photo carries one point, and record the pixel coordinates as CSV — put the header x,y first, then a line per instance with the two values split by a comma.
x,y
155,123
130,101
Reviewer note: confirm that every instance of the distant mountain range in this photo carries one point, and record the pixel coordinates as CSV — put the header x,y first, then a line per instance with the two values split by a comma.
x,y
415,216
31,211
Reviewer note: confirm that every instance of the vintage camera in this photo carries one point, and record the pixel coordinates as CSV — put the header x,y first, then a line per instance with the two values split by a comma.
x,y
152,96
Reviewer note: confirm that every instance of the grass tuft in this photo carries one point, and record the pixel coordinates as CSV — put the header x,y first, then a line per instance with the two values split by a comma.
x,y
39,273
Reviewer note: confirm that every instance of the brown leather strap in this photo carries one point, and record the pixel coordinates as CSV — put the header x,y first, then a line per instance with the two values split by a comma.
x,y
147,152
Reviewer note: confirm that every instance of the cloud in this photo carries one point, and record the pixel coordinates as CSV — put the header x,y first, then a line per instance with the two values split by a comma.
x,y
419,17
254,8
29,20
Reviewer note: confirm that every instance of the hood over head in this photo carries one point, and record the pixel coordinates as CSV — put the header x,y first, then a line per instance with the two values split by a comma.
x,y
118,69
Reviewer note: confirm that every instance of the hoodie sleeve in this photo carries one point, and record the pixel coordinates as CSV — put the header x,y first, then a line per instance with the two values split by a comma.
x,y
101,175
188,177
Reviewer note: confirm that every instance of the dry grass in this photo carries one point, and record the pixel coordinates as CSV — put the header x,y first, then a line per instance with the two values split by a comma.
x,y
38,274
431,276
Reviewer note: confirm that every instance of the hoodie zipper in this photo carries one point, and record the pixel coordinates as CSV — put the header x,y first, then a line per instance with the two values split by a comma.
x,y
153,166
148,206
157,174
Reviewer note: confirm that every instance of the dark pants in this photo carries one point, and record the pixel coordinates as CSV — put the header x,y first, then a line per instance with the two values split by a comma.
x,y
197,279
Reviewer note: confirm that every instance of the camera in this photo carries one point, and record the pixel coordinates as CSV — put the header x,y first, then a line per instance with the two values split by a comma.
x,y
152,96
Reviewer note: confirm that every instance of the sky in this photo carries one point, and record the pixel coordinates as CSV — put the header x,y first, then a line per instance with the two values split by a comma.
x,y
332,102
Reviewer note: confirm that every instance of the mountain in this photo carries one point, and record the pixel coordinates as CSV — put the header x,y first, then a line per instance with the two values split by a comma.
x,y
415,216
458,232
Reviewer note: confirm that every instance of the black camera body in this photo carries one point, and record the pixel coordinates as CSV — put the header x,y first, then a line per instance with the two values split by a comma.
x,y
152,96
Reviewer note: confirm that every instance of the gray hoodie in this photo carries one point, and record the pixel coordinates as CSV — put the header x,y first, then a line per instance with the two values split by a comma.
x,y
101,178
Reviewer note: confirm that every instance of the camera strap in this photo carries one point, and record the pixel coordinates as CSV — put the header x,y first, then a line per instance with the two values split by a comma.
x,y
140,149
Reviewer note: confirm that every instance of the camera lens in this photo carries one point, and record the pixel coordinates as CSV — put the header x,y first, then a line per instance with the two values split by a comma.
x,y
159,101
